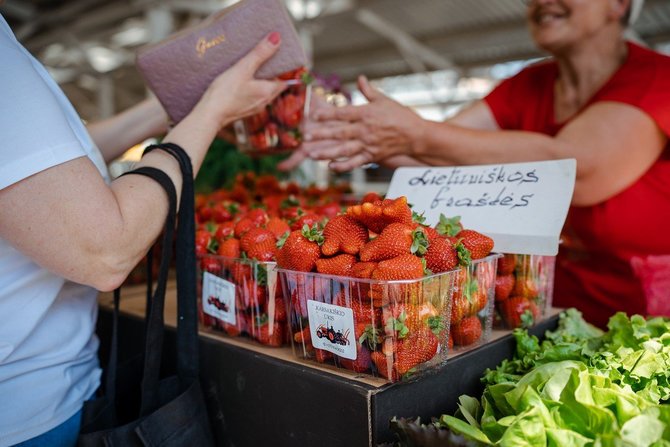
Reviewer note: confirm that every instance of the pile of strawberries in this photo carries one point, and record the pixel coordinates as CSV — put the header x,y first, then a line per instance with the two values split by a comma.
x,y
277,127
401,325
520,290
237,235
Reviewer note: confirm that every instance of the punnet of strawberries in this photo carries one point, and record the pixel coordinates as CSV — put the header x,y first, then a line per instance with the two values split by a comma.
x,y
236,241
523,289
398,277
277,128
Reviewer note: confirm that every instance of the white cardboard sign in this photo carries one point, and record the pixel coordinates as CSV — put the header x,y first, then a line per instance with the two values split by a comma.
x,y
332,328
218,298
522,206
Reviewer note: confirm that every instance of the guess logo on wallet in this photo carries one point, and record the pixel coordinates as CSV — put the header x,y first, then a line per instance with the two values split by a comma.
x,y
203,44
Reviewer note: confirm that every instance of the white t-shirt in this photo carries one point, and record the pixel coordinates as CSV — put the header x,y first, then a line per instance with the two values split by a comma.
x,y
48,347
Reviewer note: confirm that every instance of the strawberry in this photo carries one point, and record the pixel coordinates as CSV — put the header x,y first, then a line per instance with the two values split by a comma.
x,y
259,244
330,210
303,336
377,215
362,362
301,250
224,231
339,265
220,213
289,139
271,335
256,122
280,310
402,319
396,239
477,243
242,226
309,219
518,311
526,287
506,264
449,226
401,267
236,329
343,234
384,365
363,270
322,356
258,216
240,273
204,243
229,248
211,265
371,197
504,286
419,347
277,226
266,138
288,109
467,332
441,255
251,295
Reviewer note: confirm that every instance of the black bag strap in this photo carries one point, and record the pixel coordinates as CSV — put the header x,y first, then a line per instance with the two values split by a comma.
x,y
187,321
153,347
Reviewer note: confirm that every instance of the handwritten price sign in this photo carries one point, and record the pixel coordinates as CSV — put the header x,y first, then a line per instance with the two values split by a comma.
x,y
522,206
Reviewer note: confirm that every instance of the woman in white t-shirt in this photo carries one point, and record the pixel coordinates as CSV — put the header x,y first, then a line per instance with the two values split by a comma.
x,y
67,231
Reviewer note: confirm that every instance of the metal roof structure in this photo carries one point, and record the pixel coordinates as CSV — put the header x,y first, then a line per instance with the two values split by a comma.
x,y
89,45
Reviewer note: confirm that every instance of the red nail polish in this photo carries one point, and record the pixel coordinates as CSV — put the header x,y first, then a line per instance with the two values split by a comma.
x,y
274,38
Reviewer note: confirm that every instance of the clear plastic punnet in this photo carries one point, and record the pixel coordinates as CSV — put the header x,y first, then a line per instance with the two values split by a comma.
x,y
524,289
392,329
241,297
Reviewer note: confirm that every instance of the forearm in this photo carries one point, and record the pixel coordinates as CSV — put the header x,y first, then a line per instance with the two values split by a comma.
x,y
447,144
115,135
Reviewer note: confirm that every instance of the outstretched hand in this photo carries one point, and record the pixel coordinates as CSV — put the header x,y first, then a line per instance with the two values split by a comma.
x,y
352,136
236,93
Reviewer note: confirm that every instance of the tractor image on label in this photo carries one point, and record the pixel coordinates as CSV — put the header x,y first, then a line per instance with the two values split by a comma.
x,y
335,337
220,305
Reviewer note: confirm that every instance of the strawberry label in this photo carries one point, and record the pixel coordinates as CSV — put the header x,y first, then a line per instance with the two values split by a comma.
x,y
332,328
218,298
522,206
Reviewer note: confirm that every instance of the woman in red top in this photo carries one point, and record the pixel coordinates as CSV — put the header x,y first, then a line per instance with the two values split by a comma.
x,y
600,100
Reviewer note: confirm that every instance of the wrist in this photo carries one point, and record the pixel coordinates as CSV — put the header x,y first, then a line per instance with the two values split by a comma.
x,y
419,137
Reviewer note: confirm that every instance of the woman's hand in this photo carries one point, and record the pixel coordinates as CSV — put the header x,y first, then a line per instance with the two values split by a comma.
x,y
236,93
355,135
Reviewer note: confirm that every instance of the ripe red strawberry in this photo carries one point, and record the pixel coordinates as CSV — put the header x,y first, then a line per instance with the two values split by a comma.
x,y
526,287
506,264
300,250
401,267
376,216
289,139
211,265
479,244
309,219
322,356
362,362
220,213
236,329
384,365
337,265
396,239
242,226
467,332
518,311
280,310
504,286
304,336
288,109
271,335
259,244
371,197
229,248
419,347
224,231
343,234
256,122
441,255
204,243
258,216
363,270
250,295
277,226
330,209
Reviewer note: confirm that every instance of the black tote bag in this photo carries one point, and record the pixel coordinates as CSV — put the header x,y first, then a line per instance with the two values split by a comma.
x,y
138,407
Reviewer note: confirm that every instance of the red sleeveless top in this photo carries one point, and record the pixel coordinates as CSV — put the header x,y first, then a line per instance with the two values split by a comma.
x,y
615,255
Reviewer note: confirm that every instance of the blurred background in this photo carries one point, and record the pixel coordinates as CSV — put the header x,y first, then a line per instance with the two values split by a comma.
x,y
433,55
